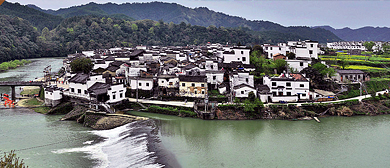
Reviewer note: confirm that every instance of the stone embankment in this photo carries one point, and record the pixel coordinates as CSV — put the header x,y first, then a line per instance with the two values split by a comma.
x,y
99,120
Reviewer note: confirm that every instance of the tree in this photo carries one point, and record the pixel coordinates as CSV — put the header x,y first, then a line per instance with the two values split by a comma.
x,y
280,65
386,48
11,161
369,45
323,70
343,63
290,55
83,65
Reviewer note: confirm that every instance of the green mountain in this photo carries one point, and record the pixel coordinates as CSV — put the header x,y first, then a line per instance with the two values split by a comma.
x,y
37,18
361,34
171,12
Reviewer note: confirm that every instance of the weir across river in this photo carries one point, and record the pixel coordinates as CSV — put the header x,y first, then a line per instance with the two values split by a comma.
x,y
20,83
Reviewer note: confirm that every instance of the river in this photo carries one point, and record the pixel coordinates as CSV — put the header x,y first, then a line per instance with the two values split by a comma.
x,y
44,141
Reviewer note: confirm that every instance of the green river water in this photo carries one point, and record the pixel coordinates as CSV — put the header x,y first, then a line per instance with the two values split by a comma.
x,y
44,141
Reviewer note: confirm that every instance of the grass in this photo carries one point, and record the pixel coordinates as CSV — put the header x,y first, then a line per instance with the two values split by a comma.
x,y
33,102
42,110
30,91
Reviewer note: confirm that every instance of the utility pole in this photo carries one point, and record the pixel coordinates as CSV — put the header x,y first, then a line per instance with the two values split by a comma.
x,y
137,89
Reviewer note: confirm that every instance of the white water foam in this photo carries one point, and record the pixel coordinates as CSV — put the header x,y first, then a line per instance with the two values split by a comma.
x,y
123,147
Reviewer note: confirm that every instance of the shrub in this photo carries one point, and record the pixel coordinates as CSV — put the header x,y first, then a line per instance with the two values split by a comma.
x,y
11,161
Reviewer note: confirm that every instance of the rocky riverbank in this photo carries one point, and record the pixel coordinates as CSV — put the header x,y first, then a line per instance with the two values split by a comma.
x,y
368,107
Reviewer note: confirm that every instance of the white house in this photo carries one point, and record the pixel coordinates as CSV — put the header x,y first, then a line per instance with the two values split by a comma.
x,y
53,96
304,49
243,90
238,78
298,65
168,81
236,54
288,87
141,83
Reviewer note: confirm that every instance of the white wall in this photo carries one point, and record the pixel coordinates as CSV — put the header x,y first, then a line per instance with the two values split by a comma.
x,y
116,93
143,84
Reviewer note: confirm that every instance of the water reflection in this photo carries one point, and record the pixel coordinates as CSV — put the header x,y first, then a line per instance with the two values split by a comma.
x,y
335,142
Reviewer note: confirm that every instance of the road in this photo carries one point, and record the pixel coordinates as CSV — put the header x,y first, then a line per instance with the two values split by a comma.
x,y
158,102
191,104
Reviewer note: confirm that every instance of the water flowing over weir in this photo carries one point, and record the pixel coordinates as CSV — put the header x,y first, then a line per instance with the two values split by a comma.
x,y
130,145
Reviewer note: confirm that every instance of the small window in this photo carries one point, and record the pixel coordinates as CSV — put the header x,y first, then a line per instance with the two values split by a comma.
x,y
301,63
310,51
270,48
303,95
280,48
120,95
242,92
242,52
266,48
196,92
140,84
162,81
243,58
288,84
78,90
202,92
247,80
311,45
193,84
273,83
71,89
85,92
202,85
183,84
274,93
238,59
170,83
147,84
113,96
214,77
212,66
301,85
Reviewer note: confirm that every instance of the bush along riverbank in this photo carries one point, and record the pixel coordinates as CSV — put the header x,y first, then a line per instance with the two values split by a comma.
x,y
13,64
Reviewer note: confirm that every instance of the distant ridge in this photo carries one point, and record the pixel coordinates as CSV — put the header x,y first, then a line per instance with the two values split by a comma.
x,y
202,16
361,34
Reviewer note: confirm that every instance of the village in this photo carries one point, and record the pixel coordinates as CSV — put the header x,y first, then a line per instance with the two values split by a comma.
x,y
215,72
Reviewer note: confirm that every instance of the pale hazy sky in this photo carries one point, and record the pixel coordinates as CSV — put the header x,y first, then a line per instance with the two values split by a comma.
x,y
336,13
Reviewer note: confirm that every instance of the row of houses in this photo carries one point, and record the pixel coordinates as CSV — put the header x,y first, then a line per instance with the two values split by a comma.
x,y
190,71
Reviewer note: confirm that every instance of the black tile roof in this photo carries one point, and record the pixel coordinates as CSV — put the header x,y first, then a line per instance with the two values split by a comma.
x,y
184,78
79,78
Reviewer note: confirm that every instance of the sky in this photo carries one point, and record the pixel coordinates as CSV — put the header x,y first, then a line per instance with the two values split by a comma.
x,y
336,13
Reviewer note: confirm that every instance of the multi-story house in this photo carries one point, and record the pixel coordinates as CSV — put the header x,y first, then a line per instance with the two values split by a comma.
x,y
236,54
288,87
193,86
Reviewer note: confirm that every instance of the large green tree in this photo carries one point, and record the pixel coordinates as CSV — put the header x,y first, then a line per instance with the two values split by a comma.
x,y
83,65
369,45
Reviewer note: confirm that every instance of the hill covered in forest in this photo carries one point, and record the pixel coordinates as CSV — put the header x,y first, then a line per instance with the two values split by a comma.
x,y
172,12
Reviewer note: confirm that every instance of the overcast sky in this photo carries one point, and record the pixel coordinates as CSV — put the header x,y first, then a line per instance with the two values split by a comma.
x,y
336,13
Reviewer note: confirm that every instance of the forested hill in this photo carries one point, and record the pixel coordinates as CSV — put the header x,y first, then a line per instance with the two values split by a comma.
x,y
36,18
171,12
19,39
361,34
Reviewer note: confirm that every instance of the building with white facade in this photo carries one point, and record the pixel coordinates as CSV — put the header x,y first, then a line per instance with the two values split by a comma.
x,y
288,87
236,54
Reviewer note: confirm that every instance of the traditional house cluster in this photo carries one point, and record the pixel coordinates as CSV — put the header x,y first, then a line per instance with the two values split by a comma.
x,y
189,72
303,51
